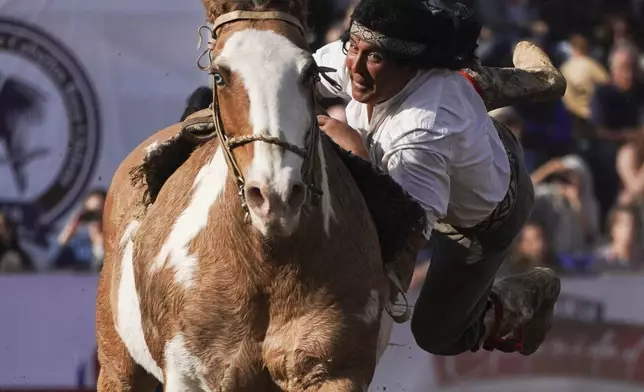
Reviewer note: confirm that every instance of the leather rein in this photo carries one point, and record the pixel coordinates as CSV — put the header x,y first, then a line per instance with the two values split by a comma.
x,y
203,129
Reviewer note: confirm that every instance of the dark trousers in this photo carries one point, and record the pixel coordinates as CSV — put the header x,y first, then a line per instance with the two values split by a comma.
x,y
448,316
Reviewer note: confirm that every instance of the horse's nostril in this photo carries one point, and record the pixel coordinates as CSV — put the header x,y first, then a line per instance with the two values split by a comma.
x,y
298,193
254,196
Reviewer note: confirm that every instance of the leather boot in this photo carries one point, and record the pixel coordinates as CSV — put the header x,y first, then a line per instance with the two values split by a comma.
x,y
521,311
534,79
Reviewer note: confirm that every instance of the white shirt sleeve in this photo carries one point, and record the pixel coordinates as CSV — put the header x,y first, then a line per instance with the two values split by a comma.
x,y
332,56
423,173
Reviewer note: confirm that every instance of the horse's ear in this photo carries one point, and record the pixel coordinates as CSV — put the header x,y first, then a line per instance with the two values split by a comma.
x,y
211,10
215,8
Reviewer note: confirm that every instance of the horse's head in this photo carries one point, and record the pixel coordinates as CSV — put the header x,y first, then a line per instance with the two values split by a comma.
x,y
264,78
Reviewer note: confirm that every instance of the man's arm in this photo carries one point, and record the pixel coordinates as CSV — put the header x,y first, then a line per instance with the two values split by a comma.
x,y
344,136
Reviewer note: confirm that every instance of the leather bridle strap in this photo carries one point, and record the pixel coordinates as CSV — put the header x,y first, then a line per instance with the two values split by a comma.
x,y
256,15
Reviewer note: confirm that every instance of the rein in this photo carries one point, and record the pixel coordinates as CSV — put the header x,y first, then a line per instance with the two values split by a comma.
x,y
204,129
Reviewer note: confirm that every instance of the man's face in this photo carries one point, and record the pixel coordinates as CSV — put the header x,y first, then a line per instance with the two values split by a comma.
x,y
623,70
375,77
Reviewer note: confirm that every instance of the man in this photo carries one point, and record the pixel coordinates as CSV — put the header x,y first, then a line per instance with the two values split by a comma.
x,y
583,74
417,118
616,108
616,114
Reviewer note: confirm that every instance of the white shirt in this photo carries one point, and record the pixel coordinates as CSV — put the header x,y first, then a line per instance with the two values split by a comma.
x,y
434,138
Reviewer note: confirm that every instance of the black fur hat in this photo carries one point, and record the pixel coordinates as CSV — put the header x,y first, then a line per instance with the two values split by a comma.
x,y
428,32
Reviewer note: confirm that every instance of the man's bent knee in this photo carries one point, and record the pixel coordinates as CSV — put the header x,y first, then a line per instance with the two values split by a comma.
x,y
439,338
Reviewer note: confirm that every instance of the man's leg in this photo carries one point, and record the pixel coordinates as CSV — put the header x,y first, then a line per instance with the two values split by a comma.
x,y
460,306
447,317
533,79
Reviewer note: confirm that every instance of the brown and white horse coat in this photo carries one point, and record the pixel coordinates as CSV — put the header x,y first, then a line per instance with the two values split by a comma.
x,y
194,296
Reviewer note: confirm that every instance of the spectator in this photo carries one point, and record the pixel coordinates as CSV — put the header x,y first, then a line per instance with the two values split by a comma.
x,y
622,31
630,167
531,250
616,112
81,240
617,106
506,22
566,206
341,24
583,74
622,252
12,257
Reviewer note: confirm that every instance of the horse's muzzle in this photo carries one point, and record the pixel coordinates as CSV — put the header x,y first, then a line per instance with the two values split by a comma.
x,y
274,212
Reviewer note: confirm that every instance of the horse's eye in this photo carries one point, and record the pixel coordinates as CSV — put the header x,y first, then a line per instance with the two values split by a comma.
x,y
219,80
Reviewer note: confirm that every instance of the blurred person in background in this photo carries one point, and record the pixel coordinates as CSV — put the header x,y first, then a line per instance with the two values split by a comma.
x,y
630,167
341,24
566,207
531,249
322,15
12,257
616,115
616,109
623,251
583,74
622,32
506,23
532,156
81,240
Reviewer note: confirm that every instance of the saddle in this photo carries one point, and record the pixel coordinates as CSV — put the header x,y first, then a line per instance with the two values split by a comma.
x,y
399,220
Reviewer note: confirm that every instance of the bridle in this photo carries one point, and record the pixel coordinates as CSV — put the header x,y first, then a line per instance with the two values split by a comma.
x,y
202,129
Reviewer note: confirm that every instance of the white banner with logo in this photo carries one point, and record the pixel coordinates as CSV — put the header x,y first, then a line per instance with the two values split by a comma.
x,y
82,82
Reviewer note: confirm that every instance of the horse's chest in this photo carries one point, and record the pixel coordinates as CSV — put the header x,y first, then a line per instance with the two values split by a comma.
x,y
322,340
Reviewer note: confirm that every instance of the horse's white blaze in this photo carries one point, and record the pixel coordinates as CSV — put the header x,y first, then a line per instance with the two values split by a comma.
x,y
209,184
129,325
372,309
184,371
271,67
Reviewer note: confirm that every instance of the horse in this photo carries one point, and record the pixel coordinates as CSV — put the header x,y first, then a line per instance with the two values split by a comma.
x,y
252,259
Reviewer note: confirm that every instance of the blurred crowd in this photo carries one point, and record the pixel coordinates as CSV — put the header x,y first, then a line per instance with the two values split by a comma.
x,y
78,246
586,151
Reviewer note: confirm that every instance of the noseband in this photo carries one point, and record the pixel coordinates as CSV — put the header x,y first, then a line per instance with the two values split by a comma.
x,y
202,129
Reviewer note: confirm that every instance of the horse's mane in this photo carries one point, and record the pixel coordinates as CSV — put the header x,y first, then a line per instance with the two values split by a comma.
x,y
215,8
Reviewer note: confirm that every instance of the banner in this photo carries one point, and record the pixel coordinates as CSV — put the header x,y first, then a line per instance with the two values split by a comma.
x,y
606,351
47,334
83,82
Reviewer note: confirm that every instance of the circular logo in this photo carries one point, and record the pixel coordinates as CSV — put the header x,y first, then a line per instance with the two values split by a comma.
x,y
49,127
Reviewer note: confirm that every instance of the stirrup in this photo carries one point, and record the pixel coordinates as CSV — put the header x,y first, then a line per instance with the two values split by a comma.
x,y
389,304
